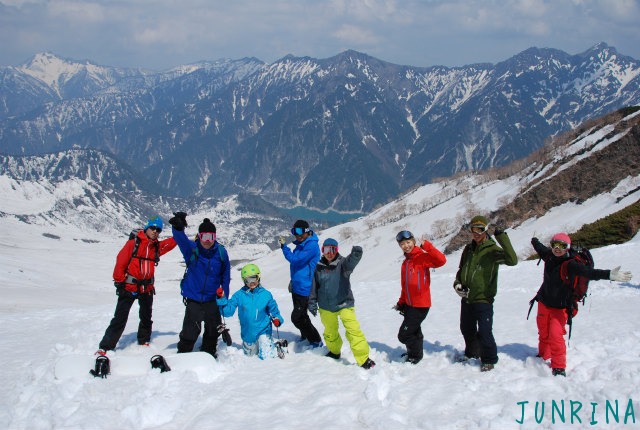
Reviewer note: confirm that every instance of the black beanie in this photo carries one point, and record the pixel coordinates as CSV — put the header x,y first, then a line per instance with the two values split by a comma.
x,y
207,226
301,223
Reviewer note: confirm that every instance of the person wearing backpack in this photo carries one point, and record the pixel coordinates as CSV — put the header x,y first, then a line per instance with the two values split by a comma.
x,y
133,277
477,285
555,296
206,278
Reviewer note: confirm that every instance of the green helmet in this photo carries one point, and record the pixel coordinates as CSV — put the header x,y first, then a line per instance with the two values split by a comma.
x,y
250,270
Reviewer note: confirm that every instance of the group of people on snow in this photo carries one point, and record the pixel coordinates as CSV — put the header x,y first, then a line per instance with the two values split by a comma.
x,y
320,284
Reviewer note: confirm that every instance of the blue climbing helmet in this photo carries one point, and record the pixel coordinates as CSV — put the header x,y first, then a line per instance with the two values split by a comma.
x,y
154,221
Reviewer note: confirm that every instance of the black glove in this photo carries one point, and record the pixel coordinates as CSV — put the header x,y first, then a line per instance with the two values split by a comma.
x,y
224,331
119,288
179,220
534,240
498,230
400,308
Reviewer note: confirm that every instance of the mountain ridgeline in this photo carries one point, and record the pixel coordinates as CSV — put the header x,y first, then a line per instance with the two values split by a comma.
x,y
346,133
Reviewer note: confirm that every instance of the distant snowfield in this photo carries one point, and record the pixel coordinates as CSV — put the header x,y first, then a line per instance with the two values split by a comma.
x,y
58,298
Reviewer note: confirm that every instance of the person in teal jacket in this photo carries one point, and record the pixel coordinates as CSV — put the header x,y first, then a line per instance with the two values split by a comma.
x,y
331,292
257,310
477,284
302,264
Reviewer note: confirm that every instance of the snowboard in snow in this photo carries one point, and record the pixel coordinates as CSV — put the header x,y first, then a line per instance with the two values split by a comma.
x,y
79,365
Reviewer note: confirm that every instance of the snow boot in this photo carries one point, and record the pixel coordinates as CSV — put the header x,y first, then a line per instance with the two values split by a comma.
x,y
102,367
368,364
158,362
558,372
332,355
485,367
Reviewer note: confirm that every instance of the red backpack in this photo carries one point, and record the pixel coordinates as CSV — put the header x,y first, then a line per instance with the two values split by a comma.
x,y
578,284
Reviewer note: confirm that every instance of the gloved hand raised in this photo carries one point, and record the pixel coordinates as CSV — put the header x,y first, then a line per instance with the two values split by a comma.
x,y
179,221
498,230
282,241
461,290
617,275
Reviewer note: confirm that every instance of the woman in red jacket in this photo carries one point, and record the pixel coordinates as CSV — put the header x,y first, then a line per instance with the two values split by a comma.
x,y
133,279
415,297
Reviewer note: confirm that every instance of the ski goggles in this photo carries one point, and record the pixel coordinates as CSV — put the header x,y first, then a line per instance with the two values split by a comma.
x,y
557,244
207,236
478,228
154,228
403,235
251,279
329,249
299,231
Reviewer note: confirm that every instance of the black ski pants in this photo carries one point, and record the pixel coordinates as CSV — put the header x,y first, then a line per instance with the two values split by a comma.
x,y
194,315
476,325
121,315
300,318
410,332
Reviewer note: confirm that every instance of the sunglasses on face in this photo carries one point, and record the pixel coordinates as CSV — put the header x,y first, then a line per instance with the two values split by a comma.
x,y
403,235
330,249
154,228
478,229
299,231
559,245
251,279
207,237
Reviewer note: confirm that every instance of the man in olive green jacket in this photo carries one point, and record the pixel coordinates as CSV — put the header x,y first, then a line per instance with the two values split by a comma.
x,y
477,284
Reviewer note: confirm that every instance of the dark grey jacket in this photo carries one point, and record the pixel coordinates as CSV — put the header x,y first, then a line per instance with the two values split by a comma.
x,y
331,287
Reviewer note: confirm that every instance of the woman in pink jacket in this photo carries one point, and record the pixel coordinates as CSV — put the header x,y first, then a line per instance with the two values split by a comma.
x,y
415,298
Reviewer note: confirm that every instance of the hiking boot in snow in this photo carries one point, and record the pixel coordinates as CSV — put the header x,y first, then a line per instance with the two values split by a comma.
x,y
485,367
368,364
101,352
464,358
144,344
413,360
332,355
558,372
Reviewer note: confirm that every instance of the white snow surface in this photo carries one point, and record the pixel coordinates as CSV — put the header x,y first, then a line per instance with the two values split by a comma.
x,y
58,298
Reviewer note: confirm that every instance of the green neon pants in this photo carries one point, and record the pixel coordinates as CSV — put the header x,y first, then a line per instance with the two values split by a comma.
x,y
357,341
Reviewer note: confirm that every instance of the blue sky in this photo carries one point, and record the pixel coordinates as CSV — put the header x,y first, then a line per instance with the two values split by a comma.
x,y
160,34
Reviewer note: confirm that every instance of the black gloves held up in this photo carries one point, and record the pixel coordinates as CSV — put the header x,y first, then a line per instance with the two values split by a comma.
x,y
179,221
498,230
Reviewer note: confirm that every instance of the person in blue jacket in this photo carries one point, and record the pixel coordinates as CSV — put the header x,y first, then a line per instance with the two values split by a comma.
x,y
206,278
257,310
302,265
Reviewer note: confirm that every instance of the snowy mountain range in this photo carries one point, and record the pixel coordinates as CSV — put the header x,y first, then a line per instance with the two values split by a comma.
x,y
102,195
345,133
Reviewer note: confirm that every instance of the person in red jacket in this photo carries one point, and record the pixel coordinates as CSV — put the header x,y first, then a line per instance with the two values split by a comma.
x,y
415,298
133,279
